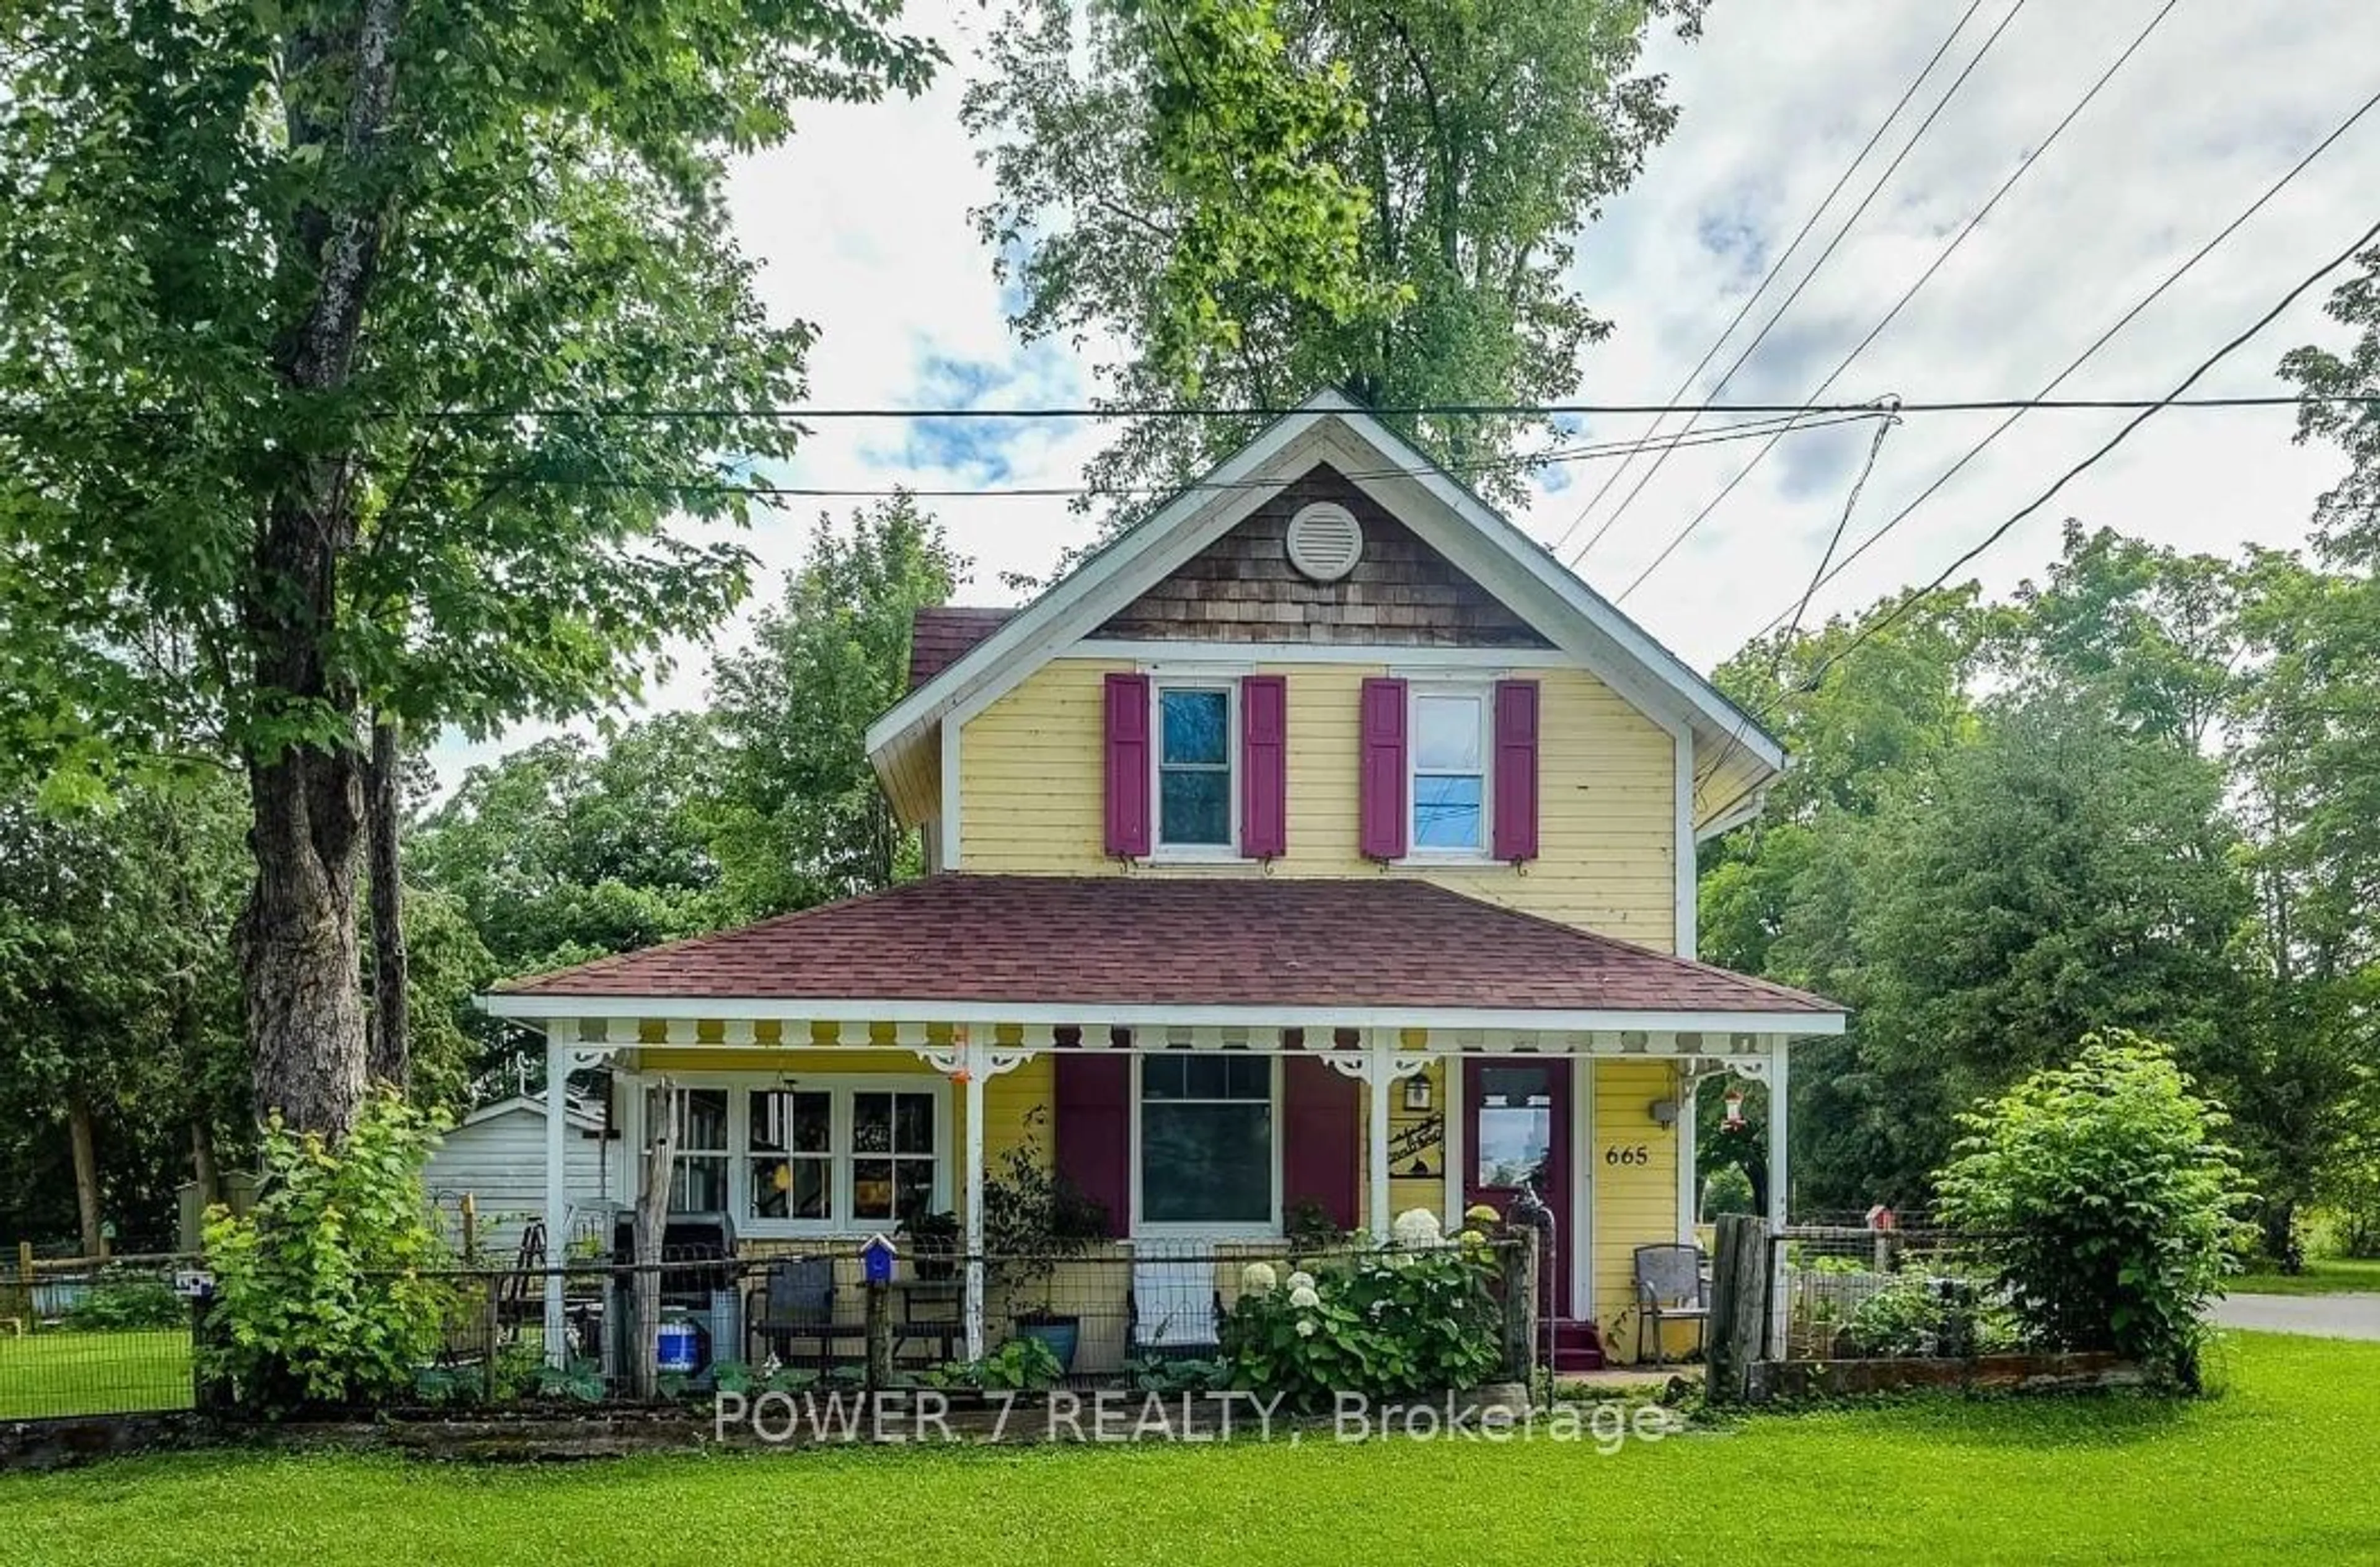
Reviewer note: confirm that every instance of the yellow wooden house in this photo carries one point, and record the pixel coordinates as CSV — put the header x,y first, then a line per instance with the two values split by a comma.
x,y
1320,845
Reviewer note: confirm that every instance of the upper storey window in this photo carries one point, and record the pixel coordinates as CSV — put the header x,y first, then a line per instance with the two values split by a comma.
x,y
1450,772
1194,767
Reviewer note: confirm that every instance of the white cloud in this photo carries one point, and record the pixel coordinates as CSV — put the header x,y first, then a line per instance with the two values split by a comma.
x,y
863,224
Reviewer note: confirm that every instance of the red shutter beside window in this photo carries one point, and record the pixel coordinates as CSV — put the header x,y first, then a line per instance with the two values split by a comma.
x,y
1382,783
1321,1134
1093,1128
1264,766
1128,761
1516,770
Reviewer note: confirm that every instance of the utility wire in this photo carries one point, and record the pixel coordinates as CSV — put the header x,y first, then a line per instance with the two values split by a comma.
x,y
1842,233
1957,239
1775,269
2151,297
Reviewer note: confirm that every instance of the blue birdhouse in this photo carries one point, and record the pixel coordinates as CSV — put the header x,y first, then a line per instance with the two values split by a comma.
x,y
876,1259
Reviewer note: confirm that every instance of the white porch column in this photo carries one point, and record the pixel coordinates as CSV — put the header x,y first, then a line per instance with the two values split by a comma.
x,y
1379,1072
972,1076
1690,1093
1778,1172
561,1037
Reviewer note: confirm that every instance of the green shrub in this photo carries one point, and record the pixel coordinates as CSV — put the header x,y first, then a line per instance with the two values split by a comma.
x,y
2120,1209
1905,1318
1385,1326
319,1297
128,1303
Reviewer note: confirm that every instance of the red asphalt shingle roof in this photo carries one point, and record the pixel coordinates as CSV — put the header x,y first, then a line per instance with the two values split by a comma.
x,y
1142,941
941,635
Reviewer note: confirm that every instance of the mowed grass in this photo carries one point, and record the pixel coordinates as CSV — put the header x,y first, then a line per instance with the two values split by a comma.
x,y
65,1372
2322,1276
2273,1470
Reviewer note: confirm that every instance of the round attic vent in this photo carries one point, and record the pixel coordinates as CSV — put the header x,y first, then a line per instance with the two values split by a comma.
x,y
1325,541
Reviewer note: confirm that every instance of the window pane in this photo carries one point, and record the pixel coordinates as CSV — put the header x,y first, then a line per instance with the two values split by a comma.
x,y
1194,806
912,1186
912,1123
871,1122
699,1185
1516,1124
784,1122
1205,1163
1446,734
871,1189
1446,812
701,1120
795,1188
1196,726
1164,1076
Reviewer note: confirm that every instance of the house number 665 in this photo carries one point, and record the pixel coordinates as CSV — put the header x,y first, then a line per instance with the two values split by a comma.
x,y
1639,1154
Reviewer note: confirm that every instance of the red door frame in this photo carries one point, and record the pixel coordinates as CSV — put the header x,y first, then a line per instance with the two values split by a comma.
x,y
1558,1165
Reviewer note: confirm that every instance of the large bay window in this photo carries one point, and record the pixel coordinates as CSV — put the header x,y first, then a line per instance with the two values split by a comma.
x,y
1208,1150
813,1155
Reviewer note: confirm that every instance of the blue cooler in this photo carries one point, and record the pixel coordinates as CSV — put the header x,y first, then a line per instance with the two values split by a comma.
x,y
676,1350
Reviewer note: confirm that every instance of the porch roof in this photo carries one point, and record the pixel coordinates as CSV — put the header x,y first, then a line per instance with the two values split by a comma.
x,y
1114,945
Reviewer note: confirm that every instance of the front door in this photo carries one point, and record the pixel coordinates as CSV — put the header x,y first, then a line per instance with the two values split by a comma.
x,y
1516,1126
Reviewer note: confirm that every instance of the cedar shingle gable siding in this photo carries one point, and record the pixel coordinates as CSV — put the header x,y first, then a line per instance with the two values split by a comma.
x,y
1242,588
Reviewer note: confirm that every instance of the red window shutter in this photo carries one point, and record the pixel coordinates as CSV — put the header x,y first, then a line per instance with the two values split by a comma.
x,y
1321,1139
1383,764
1264,766
1129,759
1093,1128
1516,770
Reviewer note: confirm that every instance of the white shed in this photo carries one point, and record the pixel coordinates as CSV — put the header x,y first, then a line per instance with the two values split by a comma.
x,y
497,1156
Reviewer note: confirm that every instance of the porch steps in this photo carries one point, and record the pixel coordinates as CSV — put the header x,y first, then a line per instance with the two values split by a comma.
x,y
1578,1346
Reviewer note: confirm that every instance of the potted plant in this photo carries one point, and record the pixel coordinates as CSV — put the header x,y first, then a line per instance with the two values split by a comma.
x,y
933,1240
1033,1218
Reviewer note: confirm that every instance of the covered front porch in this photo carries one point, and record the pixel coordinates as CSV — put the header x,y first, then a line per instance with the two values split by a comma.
x,y
1216,1065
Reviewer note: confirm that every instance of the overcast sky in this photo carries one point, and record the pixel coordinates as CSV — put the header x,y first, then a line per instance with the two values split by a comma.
x,y
862,222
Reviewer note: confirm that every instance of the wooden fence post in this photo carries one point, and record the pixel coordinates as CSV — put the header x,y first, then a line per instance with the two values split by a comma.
x,y
1739,1306
880,1336
1519,1259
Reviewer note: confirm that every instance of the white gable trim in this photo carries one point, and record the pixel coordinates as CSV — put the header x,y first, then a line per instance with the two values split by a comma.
x,y
1328,428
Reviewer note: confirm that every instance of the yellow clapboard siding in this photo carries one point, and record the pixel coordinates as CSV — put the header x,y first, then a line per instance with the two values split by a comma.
x,y
1635,1203
1032,794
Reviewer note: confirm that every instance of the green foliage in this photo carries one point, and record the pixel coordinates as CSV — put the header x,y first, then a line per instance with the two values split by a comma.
x,y
1186,187
2117,1210
1022,1364
796,816
1169,1374
1384,1325
130,1303
1034,1216
321,1296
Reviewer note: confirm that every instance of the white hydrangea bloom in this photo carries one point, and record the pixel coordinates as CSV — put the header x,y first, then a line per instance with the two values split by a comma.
x,y
1306,1328
1301,1280
1258,1279
1417,1228
1303,1298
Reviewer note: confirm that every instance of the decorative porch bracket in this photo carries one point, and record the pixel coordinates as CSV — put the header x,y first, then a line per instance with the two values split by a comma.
x,y
1380,1067
970,1061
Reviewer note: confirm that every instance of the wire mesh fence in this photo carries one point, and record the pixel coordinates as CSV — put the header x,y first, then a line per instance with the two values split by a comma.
x,y
84,1336
1907,1290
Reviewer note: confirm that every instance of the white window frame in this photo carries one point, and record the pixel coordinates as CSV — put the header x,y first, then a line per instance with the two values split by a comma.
x,y
1484,695
840,1223
1269,1229
1158,684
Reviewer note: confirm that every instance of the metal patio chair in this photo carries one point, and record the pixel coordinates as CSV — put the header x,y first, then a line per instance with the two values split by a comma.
x,y
1670,1286
1174,1308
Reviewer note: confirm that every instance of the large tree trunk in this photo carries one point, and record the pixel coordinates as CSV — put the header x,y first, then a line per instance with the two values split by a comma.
x,y
298,954
86,1171
652,1217
203,1169
389,1058
298,950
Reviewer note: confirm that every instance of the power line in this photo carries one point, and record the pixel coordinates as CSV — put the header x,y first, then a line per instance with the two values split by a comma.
x,y
2287,178
1775,269
2117,439
1815,267
1750,430
1957,239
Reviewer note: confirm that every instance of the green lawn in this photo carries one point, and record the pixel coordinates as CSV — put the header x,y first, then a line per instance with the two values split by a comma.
x,y
2273,1471
74,1373
2322,1276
